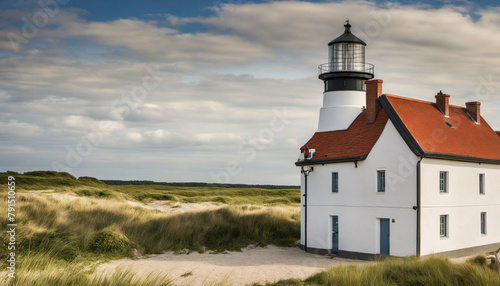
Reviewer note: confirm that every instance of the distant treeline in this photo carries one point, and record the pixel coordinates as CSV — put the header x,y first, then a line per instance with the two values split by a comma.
x,y
135,182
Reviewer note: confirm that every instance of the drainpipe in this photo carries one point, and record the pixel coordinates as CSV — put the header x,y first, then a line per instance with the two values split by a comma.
x,y
418,206
306,172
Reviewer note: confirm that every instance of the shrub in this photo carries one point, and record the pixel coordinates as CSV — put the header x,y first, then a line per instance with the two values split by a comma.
x,y
479,260
111,242
49,174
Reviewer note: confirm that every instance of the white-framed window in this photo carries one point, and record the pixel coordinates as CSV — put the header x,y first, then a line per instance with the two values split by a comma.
x,y
481,183
443,225
443,182
483,223
335,182
381,181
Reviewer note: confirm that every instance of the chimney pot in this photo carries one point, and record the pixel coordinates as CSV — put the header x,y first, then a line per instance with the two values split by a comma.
x,y
474,109
373,92
443,102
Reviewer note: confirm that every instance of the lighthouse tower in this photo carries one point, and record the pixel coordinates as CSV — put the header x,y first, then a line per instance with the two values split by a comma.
x,y
344,77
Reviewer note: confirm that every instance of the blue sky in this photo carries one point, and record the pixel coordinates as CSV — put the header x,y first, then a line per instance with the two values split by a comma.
x,y
214,91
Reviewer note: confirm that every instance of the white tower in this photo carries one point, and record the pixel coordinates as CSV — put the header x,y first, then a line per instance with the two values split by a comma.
x,y
344,76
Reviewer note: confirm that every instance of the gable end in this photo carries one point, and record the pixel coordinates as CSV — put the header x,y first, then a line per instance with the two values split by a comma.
x,y
400,126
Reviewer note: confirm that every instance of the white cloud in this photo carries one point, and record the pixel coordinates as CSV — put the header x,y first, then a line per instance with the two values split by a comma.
x,y
15,150
220,86
15,128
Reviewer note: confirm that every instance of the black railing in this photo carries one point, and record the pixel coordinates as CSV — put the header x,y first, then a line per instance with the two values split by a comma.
x,y
339,67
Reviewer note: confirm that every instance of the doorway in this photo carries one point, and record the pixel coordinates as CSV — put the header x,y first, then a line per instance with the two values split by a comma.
x,y
385,234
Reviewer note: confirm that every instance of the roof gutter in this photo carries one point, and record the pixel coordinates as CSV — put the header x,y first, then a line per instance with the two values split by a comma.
x,y
451,157
332,160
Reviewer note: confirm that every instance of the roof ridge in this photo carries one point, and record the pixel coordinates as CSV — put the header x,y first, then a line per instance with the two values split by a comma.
x,y
420,100
408,98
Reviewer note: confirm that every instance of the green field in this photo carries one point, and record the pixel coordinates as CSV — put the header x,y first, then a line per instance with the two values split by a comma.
x,y
67,226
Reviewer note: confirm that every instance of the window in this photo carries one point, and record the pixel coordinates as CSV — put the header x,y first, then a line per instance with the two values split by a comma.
x,y
481,184
443,182
381,181
335,182
443,225
483,223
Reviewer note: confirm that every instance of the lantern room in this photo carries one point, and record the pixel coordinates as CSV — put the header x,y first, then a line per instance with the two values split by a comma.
x,y
346,68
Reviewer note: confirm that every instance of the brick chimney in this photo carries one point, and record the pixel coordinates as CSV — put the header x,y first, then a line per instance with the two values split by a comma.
x,y
373,92
443,102
474,109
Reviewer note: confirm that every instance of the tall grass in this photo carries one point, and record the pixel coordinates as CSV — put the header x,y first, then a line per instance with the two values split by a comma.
x,y
91,187
74,227
60,234
406,271
230,196
43,270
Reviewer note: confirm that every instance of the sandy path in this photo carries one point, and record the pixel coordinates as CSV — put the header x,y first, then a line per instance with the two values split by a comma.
x,y
236,268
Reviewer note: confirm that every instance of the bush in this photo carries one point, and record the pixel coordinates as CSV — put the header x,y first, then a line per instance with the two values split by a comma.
x,y
479,260
91,179
49,174
111,242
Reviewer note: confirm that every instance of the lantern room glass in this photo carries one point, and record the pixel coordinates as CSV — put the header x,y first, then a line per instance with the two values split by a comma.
x,y
347,57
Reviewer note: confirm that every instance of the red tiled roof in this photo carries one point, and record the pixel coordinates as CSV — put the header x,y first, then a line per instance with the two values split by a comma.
x,y
429,128
356,141
498,133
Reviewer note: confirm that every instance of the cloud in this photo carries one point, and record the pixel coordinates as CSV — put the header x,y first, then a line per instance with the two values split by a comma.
x,y
15,150
220,85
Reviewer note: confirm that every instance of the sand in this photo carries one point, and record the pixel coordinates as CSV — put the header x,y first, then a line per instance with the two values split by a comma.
x,y
251,265
176,207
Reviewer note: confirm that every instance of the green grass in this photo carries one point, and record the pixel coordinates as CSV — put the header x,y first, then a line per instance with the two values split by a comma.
x,y
406,271
86,226
43,270
91,187
61,233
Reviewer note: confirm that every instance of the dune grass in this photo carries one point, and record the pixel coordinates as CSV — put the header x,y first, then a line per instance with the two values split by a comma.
x,y
89,225
42,270
60,234
401,271
232,196
91,187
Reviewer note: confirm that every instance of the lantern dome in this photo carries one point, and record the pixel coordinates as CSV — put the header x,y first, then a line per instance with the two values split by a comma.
x,y
347,37
346,68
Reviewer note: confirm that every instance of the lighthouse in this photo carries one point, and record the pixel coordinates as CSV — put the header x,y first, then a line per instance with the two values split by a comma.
x,y
344,77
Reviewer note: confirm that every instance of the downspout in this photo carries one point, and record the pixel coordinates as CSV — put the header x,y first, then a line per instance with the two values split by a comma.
x,y
418,206
305,213
306,172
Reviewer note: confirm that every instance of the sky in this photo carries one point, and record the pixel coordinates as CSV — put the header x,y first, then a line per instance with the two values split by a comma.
x,y
222,91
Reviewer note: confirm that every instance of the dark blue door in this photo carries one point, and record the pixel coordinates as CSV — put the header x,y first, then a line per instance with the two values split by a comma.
x,y
385,235
335,234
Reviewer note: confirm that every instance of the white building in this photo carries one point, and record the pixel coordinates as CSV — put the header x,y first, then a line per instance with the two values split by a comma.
x,y
397,176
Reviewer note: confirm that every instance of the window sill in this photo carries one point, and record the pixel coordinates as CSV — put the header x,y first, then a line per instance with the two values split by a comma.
x,y
444,237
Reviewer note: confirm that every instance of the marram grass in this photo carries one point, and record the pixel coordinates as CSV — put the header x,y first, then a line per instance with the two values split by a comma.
x,y
59,235
42,270
402,271
76,227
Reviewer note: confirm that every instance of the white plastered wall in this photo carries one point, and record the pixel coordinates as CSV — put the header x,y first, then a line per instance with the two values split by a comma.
x,y
359,206
463,204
